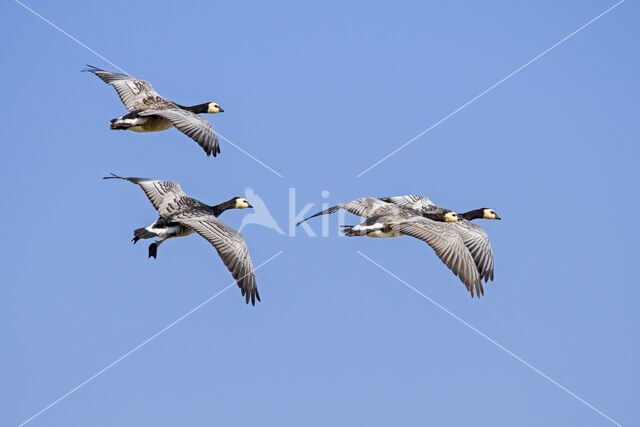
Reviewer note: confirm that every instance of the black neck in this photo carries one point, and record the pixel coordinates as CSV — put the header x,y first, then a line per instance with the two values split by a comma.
x,y
474,214
435,216
218,209
198,109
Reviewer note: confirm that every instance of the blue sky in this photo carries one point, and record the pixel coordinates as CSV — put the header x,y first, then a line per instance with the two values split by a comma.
x,y
319,92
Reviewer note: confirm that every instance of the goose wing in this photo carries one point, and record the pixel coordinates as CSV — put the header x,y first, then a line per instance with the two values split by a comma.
x,y
132,92
477,241
448,245
412,201
192,125
363,207
231,247
165,196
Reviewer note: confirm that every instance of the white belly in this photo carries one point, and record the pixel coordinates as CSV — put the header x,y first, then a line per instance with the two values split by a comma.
x,y
168,232
143,124
376,230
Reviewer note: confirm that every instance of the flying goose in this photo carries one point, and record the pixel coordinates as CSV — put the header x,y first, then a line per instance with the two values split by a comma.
x,y
149,112
474,236
180,215
461,245
425,205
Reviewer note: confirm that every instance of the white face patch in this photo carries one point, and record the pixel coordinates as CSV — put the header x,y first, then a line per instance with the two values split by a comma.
x,y
450,217
241,203
213,108
489,214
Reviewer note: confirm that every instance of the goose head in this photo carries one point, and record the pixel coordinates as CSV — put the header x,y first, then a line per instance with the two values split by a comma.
x,y
489,214
482,213
241,203
450,217
213,108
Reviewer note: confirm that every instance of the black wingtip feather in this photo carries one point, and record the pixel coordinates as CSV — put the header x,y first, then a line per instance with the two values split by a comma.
x,y
307,218
90,68
251,295
113,176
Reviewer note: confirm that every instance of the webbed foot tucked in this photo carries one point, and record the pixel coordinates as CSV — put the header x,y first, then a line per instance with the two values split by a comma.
x,y
153,250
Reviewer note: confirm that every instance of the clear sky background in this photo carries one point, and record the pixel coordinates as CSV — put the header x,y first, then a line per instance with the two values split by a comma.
x,y
319,92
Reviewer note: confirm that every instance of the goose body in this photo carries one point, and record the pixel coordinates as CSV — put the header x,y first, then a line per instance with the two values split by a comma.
x,y
461,245
162,228
149,112
181,215
376,228
136,123
474,236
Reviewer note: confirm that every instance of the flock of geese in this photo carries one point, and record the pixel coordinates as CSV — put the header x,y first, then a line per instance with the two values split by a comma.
x,y
462,246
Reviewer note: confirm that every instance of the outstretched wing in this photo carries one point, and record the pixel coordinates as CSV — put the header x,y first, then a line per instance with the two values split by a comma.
x,y
232,249
477,241
363,207
415,202
165,196
448,245
192,125
132,92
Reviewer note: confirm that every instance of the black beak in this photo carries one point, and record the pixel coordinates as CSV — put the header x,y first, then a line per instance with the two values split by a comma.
x,y
250,206
497,217
221,110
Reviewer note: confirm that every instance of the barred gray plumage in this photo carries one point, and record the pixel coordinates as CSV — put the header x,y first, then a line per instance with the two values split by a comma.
x,y
461,245
149,112
181,215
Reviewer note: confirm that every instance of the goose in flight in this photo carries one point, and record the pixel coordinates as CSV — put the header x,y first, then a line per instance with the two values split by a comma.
x,y
180,215
474,236
461,245
149,112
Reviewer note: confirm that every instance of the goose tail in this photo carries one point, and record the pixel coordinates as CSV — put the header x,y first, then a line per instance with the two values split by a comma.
x,y
142,233
119,124
128,121
349,231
